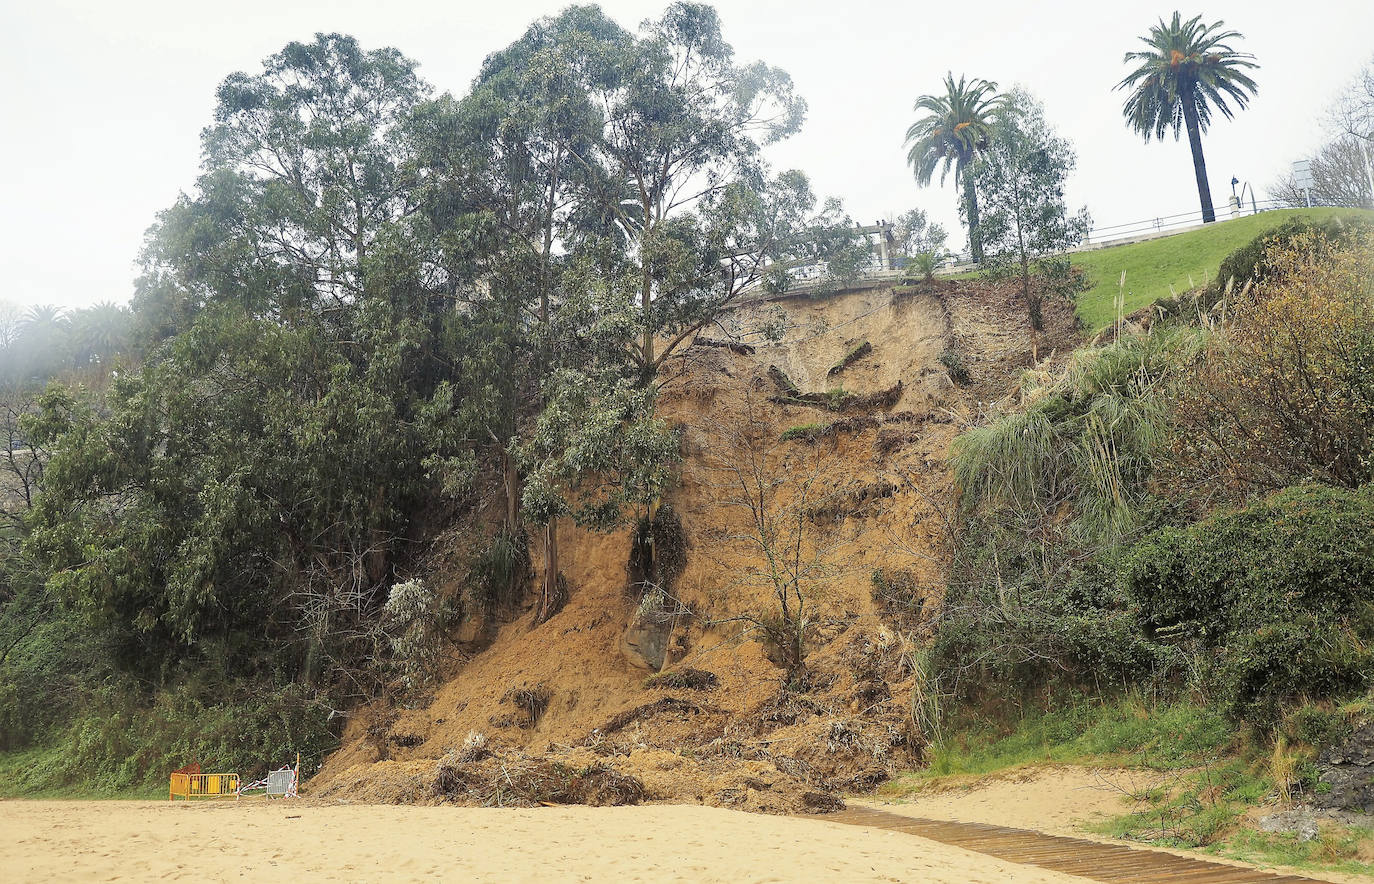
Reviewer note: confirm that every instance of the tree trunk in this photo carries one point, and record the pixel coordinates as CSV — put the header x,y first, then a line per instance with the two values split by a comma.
x,y
1204,191
549,600
646,303
975,237
512,481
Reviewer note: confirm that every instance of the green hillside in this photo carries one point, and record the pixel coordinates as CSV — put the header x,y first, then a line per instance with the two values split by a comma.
x,y
1153,266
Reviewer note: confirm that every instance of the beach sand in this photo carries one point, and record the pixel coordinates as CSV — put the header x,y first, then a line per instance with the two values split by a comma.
x,y
305,841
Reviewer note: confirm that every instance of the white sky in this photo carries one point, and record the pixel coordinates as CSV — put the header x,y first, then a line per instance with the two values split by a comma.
x,y
103,102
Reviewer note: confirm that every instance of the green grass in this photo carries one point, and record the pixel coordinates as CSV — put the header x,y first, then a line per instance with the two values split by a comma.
x,y
1119,732
39,773
1211,776
1335,849
801,431
1197,807
1154,265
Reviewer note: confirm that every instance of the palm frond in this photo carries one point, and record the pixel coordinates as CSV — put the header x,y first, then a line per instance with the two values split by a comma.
x,y
1188,65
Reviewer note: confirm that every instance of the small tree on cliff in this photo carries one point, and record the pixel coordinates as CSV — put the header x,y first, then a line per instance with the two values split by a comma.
x,y
773,540
1022,175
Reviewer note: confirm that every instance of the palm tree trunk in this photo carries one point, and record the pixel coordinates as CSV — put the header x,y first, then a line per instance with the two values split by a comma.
x,y
975,237
1204,191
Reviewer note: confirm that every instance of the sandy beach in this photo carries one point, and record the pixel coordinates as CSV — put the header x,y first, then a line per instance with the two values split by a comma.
x,y
144,841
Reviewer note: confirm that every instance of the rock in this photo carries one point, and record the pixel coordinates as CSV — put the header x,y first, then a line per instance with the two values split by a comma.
x,y
1346,773
1299,821
645,642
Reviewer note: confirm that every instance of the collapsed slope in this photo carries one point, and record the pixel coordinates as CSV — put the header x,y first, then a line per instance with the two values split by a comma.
x,y
856,405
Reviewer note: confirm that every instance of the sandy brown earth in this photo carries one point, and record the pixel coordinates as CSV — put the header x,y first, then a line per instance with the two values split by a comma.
x,y
1056,799
873,542
1061,800
143,841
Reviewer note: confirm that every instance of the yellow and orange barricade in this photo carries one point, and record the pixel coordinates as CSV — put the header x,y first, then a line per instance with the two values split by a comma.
x,y
189,782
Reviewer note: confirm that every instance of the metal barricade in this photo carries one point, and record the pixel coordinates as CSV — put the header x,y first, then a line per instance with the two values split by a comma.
x,y
281,783
203,785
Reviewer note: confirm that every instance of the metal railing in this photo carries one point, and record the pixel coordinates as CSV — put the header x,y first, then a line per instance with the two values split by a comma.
x,y
812,277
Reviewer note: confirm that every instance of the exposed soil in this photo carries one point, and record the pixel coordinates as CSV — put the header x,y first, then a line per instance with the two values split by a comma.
x,y
742,732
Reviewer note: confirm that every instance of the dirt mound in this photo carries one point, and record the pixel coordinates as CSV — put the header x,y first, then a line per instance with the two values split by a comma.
x,y
565,710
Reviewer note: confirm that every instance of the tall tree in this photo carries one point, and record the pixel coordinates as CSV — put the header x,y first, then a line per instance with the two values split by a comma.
x,y
1022,176
43,343
689,214
1188,70
304,167
99,332
635,161
954,130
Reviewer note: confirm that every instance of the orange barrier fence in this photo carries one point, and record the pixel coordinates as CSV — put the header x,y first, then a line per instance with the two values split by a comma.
x,y
203,785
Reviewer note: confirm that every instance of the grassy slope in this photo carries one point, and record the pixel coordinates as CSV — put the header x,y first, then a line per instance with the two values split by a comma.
x,y
28,773
1152,266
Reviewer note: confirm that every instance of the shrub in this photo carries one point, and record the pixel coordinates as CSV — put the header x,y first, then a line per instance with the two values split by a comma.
x,y
496,578
1250,262
1009,640
954,364
1285,393
1280,595
802,433
131,741
925,263
414,620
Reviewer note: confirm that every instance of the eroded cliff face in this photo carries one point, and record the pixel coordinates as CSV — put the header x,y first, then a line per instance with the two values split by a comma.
x,y
860,500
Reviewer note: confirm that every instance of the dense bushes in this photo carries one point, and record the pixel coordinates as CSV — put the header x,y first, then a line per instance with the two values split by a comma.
x,y
123,739
1279,596
1250,263
1114,533
1285,392
1252,607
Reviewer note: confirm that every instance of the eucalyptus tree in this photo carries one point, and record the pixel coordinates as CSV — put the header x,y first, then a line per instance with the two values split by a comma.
x,y
679,202
955,129
500,198
1022,176
1188,70
916,234
304,166
633,204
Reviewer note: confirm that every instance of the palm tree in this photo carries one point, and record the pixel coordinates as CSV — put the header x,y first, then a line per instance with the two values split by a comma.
x,y
955,129
43,340
99,331
1188,70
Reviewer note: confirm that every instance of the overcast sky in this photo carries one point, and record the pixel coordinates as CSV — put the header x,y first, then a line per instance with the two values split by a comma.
x,y
103,102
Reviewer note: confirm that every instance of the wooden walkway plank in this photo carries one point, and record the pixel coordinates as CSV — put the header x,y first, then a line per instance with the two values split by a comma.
x,y
1073,856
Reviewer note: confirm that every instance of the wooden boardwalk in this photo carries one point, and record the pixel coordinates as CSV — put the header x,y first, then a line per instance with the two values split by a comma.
x,y
1073,856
